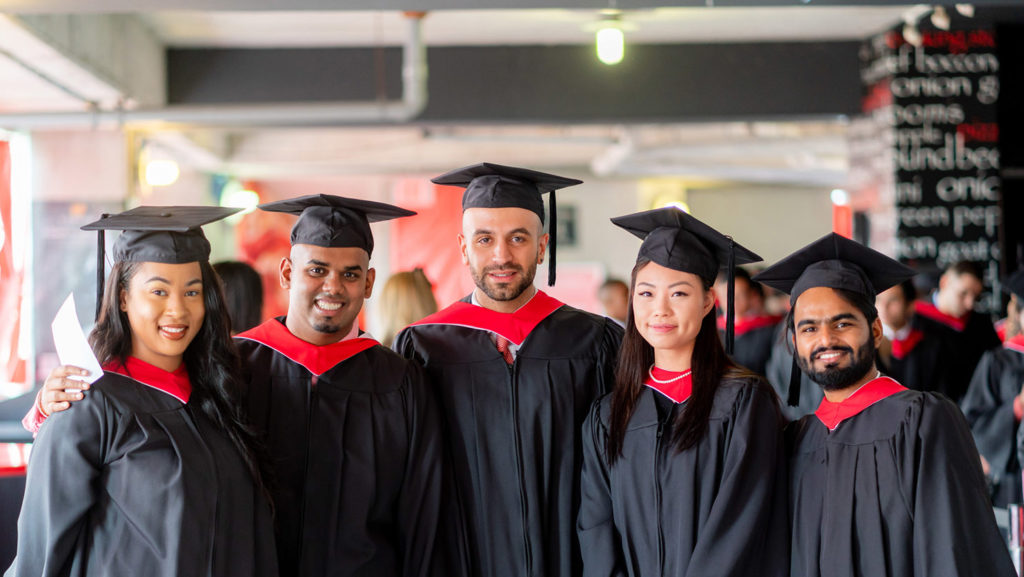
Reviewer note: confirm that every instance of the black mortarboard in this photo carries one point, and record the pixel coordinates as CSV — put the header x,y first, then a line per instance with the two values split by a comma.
x,y
833,261
167,234
1015,284
676,240
495,186
335,221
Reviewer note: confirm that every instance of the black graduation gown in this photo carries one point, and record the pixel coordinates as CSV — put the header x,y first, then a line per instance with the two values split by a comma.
x,y
131,481
718,508
513,434
924,367
355,443
894,491
963,346
988,407
753,347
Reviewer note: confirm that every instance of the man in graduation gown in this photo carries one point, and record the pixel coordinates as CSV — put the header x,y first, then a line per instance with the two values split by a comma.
x,y
885,481
754,330
994,407
914,358
516,372
949,316
351,430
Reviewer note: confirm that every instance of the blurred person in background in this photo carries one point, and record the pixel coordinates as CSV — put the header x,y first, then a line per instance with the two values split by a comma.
x,y
243,294
949,315
994,406
911,356
406,297
614,297
755,331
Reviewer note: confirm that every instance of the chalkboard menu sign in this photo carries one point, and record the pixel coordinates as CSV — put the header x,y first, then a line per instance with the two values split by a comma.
x,y
939,98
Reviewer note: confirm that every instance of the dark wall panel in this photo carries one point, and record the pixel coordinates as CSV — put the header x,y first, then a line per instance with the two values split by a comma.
x,y
543,83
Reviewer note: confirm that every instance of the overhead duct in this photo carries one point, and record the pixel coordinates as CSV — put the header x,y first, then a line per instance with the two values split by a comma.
x,y
412,103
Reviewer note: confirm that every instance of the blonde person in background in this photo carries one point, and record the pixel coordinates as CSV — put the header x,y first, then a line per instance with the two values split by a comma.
x,y
406,298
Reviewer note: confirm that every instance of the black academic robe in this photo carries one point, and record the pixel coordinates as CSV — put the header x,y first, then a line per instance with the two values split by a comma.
x,y
718,508
965,340
513,431
894,491
920,362
353,435
988,407
132,481
753,340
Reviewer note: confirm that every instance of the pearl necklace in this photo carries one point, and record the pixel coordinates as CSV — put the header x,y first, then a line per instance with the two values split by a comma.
x,y
650,373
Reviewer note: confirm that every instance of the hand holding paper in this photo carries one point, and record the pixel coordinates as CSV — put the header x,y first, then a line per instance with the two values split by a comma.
x,y
72,346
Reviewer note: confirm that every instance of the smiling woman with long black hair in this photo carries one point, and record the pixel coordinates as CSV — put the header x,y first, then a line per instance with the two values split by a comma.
x,y
683,470
152,473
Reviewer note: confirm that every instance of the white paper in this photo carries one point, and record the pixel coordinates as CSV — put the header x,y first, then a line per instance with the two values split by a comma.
x,y
72,347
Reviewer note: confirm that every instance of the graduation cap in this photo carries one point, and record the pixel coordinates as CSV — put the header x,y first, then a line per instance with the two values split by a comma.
x,y
836,262
1015,284
335,221
674,239
495,186
166,234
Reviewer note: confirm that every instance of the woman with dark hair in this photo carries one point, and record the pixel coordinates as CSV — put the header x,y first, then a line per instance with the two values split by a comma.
x,y
243,294
683,470
152,473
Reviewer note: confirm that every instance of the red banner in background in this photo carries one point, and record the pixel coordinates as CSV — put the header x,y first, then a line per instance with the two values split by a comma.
x,y
264,238
12,368
429,239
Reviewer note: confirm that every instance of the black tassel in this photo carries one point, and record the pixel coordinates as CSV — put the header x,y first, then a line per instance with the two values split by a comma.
x,y
553,234
730,311
794,384
101,276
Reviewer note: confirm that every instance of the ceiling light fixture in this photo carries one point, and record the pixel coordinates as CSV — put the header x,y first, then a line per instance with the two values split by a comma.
x,y
610,41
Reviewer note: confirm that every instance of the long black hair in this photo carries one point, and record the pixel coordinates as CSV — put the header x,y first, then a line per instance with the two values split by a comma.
x,y
211,358
243,293
710,366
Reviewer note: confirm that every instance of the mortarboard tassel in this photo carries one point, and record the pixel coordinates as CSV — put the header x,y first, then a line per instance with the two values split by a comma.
x,y
793,398
730,311
100,267
553,233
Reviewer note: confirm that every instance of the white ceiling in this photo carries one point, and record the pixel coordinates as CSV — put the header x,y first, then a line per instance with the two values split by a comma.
x,y
517,27
812,154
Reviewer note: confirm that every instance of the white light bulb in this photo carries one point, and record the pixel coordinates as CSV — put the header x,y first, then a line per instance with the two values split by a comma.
x,y
840,197
611,45
161,172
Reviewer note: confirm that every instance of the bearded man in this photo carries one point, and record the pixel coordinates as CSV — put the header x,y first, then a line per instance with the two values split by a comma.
x,y
884,481
516,372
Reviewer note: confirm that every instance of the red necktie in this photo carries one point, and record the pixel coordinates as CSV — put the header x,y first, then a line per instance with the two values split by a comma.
x,y
503,348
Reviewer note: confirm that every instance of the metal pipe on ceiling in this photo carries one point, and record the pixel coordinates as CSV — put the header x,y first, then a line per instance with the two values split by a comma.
x,y
412,103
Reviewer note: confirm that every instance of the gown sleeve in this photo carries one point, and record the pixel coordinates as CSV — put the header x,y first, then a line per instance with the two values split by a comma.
x,y
611,340
419,506
746,530
990,415
61,487
34,418
955,532
600,543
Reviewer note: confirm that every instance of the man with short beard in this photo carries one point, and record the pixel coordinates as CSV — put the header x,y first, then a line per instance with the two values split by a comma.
x,y
516,372
884,481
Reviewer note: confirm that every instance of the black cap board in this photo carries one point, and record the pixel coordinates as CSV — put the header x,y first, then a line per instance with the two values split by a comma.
x,y
676,240
165,234
335,221
491,185
833,261
1015,284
